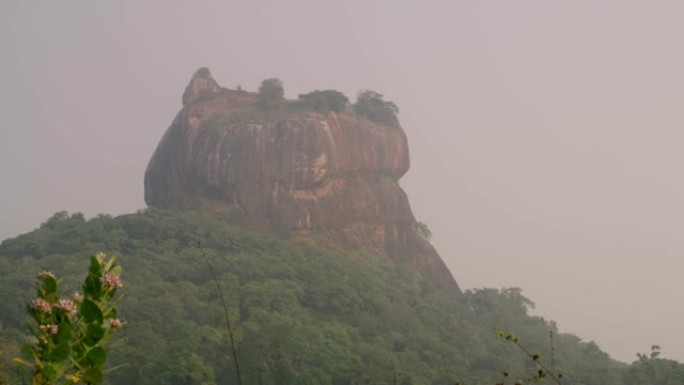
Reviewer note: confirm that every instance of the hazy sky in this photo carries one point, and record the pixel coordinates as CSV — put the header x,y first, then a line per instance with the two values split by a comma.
x,y
546,137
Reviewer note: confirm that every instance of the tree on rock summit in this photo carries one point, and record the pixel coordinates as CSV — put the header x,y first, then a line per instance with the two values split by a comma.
x,y
372,106
271,94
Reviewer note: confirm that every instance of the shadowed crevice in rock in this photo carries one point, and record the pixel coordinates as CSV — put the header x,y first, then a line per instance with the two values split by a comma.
x,y
291,174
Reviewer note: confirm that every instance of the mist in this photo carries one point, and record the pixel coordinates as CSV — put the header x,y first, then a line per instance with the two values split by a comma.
x,y
545,137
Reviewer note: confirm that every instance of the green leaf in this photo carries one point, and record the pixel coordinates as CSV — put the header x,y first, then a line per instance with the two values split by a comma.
x,y
64,332
60,353
51,297
23,362
33,330
93,376
49,372
90,311
111,313
96,265
92,287
94,334
116,270
49,284
97,356
108,265
29,351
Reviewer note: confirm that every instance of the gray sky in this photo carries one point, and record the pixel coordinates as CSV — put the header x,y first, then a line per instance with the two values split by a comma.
x,y
545,136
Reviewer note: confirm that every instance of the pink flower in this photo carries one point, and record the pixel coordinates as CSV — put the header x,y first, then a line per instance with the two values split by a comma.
x,y
44,274
116,324
50,328
111,281
41,305
68,306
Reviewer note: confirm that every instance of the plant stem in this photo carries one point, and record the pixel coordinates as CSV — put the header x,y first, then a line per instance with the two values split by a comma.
x,y
225,313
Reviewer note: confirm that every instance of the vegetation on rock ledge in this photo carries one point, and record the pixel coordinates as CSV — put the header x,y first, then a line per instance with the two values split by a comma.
x,y
369,104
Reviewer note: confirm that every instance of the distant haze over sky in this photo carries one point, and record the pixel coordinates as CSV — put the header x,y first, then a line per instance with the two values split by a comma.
x,y
546,137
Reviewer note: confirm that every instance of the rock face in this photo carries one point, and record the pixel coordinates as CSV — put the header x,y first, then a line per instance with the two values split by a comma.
x,y
299,174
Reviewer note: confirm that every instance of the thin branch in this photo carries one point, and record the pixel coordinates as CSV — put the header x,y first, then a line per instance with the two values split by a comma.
x,y
553,349
229,326
535,358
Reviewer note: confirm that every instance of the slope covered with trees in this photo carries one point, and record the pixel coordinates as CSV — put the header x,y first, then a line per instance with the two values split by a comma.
x,y
306,312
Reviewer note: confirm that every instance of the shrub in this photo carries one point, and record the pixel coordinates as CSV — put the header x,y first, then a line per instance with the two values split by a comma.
x,y
271,94
325,101
202,72
423,230
373,107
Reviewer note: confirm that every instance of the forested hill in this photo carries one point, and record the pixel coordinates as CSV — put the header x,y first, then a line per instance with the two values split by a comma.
x,y
306,311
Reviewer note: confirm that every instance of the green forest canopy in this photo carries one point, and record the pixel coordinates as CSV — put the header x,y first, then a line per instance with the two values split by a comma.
x,y
306,311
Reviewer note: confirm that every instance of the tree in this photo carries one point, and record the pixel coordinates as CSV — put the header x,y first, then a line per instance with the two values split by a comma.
x,y
325,101
650,369
372,106
271,94
423,230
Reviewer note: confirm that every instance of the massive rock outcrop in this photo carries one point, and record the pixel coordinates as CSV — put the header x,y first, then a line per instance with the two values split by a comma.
x,y
291,173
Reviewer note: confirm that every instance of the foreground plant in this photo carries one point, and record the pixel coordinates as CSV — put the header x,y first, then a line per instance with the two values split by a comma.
x,y
543,371
68,340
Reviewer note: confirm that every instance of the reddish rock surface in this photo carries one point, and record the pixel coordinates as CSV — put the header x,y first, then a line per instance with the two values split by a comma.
x,y
334,175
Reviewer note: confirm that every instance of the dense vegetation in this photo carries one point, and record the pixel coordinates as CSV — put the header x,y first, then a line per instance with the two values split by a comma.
x,y
369,104
325,101
372,106
305,311
651,369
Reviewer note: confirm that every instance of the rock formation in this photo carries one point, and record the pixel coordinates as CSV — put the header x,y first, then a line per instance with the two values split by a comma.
x,y
290,174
